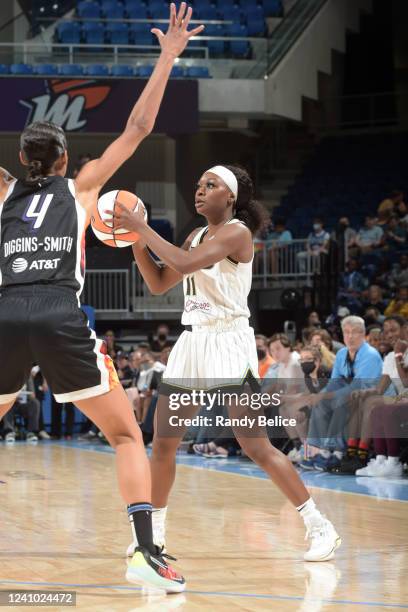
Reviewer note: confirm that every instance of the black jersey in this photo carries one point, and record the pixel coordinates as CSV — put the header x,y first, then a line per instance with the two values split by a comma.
x,y
42,235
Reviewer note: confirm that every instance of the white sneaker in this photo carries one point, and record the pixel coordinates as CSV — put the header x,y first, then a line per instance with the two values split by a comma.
x,y
295,455
372,469
159,534
10,437
31,437
43,435
325,540
390,469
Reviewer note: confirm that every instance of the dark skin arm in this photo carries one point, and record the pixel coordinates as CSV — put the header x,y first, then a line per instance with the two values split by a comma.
x,y
158,278
399,349
231,241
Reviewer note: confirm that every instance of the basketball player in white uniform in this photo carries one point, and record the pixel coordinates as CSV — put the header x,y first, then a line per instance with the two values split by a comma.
x,y
218,347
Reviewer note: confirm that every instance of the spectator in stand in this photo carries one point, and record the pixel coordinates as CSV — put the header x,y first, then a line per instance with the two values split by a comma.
x,y
124,370
357,366
352,283
83,159
395,234
374,299
370,237
40,389
317,245
374,336
29,408
265,360
292,407
364,401
391,203
322,339
161,339
372,316
345,236
288,361
112,348
277,238
401,210
313,320
398,305
399,274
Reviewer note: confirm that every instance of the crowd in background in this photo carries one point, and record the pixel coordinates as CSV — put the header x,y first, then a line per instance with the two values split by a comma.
x,y
343,378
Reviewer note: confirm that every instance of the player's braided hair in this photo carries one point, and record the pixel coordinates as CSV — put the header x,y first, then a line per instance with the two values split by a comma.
x,y
247,209
42,143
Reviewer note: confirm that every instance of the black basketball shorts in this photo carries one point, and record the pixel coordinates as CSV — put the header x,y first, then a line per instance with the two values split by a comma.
x,y
44,325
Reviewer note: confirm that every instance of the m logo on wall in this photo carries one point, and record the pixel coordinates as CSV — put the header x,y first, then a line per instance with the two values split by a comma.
x,y
93,105
66,102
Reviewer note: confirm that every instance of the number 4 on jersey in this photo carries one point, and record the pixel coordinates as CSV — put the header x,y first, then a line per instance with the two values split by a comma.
x,y
42,202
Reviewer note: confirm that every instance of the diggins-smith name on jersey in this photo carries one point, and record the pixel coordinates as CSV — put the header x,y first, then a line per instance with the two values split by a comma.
x,y
32,244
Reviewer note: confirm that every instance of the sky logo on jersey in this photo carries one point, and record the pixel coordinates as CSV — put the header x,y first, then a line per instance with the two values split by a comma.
x,y
19,265
66,102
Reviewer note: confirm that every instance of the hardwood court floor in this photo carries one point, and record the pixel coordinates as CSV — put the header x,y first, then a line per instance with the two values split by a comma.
x,y
239,542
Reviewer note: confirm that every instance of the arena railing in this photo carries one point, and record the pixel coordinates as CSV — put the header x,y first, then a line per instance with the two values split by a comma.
x,y
275,261
143,301
107,290
60,53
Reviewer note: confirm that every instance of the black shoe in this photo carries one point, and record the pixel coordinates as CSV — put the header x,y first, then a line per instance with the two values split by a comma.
x,y
350,464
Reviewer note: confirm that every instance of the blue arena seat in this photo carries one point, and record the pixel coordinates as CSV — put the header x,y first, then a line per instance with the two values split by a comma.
x,y
215,47
113,10
93,32
117,33
145,72
136,10
46,69
230,13
122,70
21,69
97,70
177,72
71,70
159,11
198,72
253,12
209,13
139,34
256,27
88,9
4,69
273,8
69,32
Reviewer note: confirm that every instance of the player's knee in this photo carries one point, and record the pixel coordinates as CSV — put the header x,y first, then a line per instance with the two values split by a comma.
x,y
118,439
163,447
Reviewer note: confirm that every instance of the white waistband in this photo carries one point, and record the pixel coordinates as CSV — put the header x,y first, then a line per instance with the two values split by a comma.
x,y
221,325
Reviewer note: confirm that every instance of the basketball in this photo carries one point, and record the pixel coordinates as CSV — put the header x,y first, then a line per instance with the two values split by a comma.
x,y
102,224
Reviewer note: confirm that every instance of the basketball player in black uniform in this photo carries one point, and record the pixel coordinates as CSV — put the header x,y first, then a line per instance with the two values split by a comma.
x,y
42,265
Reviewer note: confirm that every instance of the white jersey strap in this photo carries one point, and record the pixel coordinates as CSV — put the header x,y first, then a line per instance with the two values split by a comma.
x,y
198,238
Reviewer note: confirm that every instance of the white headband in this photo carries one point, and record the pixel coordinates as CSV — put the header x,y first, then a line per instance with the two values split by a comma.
x,y
228,177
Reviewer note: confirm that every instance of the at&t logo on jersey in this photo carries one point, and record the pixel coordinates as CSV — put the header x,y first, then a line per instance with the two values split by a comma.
x,y
66,102
20,264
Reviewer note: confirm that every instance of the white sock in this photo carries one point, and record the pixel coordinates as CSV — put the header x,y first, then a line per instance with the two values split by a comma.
x,y
381,458
309,513
338,454
325,453
159,516
393,460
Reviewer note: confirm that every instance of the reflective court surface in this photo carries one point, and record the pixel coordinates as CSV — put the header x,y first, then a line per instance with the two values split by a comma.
x,y
239,543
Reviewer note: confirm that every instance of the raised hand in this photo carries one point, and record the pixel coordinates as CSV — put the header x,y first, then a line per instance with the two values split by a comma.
x,y
177,36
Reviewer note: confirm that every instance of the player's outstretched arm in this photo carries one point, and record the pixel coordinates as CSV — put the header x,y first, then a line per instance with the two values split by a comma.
x,y
143,116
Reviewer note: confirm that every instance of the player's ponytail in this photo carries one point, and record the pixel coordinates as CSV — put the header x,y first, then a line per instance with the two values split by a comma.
x,y
42,144
247,209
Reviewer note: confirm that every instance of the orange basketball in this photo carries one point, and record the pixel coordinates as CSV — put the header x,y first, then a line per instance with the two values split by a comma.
x,y
102,223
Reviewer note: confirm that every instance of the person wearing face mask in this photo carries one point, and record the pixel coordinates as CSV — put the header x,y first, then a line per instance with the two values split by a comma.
x,y
316,376
317,245
161,340
265,360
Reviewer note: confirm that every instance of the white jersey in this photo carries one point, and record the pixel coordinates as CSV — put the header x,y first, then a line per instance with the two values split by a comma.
x,y
216,293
